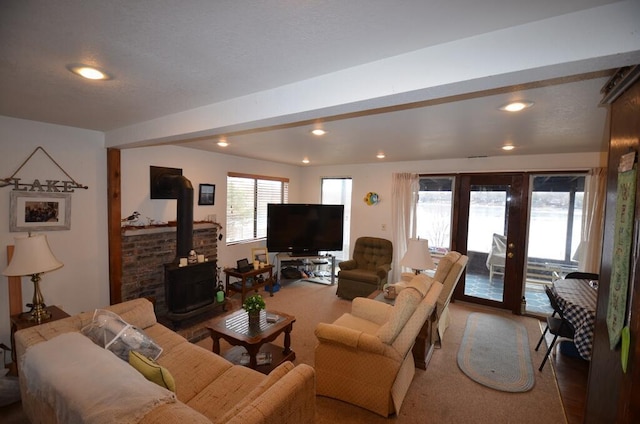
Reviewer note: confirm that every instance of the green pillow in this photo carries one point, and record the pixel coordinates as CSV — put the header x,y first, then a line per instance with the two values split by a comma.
x,y
152,371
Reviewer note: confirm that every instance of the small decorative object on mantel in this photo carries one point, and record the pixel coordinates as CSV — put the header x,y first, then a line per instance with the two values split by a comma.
x,y
253,305
49,185
193,257
371,198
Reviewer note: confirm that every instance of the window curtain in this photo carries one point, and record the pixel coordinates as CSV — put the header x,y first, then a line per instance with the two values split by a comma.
x,y
590,248
404,197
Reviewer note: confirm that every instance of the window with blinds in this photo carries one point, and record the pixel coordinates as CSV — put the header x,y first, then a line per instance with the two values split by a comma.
x,y
247,199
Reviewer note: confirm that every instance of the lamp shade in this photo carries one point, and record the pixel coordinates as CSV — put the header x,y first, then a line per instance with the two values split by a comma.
x,y
418,256
31,255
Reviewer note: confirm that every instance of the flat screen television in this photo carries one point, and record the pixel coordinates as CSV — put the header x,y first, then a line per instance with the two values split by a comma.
x,y
304,229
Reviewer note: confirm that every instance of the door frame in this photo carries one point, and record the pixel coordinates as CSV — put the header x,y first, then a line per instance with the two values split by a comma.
x,y
516,233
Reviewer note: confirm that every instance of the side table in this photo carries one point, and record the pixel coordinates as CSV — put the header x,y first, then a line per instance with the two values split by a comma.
x,y
424,345
20,321
242,286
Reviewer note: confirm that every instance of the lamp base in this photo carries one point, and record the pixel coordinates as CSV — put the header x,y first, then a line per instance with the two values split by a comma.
x,y
38,313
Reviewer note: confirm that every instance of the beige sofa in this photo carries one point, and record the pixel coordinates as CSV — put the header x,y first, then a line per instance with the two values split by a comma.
x,y
209,389
364,357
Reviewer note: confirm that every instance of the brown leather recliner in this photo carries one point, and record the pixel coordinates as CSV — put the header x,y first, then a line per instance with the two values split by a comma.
x,y
368,269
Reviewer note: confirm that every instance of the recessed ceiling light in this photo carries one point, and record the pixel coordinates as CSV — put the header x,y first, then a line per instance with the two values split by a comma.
x,y
508,147
89,72
516,106
318,132
223,143
380,155
305,160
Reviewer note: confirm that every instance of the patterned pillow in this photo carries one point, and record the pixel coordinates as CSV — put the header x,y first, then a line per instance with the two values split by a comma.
x,y
405,304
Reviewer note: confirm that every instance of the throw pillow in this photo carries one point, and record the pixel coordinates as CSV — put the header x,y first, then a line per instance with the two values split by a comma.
x,y
110,331
152,371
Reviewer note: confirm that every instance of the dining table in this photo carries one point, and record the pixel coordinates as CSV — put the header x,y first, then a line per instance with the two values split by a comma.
x,y
577,298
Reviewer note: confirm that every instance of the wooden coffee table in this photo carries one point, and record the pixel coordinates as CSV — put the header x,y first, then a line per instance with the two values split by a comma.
x,y
234,328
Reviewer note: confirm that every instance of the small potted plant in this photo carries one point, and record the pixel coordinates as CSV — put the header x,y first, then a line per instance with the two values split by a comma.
x,y
253,305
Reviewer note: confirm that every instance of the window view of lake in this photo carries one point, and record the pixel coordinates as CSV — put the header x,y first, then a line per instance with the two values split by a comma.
x,y
547,222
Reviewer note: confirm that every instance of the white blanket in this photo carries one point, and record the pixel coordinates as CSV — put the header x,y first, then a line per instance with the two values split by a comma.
x,y
85,383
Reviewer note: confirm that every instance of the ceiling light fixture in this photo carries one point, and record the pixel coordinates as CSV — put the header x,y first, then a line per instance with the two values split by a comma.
x,y
318,132
223,143
305,160
89,72
508,147
516,106
380,155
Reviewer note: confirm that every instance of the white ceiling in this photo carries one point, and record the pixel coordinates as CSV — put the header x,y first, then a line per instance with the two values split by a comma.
x,y
262,74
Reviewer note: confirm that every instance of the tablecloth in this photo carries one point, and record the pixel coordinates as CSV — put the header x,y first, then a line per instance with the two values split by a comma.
x,y
578,299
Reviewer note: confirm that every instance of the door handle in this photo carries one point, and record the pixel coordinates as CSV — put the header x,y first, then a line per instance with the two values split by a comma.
x,y
511,245
510,255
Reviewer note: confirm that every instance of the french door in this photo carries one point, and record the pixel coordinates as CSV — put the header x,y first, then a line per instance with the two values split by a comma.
x,y
492,217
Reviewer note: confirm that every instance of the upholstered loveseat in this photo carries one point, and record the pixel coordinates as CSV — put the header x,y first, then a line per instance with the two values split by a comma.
x,y
364,357
208,388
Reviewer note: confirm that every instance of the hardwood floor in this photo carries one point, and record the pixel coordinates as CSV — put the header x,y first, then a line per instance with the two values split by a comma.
x,y
572,375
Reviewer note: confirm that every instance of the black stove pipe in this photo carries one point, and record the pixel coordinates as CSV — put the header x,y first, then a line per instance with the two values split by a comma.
x,y
183,190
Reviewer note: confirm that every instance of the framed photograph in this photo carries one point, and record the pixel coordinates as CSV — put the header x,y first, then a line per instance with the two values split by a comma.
x,y
207,194
260,254
37,211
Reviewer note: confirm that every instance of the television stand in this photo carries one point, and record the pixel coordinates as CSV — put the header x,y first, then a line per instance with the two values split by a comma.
x,y
297,260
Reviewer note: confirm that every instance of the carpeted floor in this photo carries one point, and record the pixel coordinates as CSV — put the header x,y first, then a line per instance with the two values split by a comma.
x,y
442,393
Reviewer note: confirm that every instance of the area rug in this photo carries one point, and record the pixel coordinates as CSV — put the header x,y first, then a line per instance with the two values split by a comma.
x,y
495,353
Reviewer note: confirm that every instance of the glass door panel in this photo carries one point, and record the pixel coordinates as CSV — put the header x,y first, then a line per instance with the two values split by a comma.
x,y
486,235
555,221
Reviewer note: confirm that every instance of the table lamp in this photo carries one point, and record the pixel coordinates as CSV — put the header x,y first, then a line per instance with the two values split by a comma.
x,y
32,256
418,257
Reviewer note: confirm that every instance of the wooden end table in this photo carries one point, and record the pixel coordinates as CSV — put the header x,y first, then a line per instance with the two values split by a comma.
x,y
242,286
234,328
424,345
21,321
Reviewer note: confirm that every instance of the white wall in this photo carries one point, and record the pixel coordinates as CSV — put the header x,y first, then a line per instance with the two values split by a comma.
x,y
83,282
200,168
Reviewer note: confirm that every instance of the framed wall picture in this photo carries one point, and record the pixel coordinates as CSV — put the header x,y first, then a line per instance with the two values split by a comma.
x,y
36,211
260,254
207,194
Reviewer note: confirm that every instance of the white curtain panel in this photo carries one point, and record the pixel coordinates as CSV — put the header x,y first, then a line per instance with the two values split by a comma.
x,y
404,197
593,220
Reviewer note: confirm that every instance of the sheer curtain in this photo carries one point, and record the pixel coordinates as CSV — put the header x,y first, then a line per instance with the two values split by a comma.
x,y
592,221
404,197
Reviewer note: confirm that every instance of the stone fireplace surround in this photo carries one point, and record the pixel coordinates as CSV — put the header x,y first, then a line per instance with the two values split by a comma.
x,y
144,253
